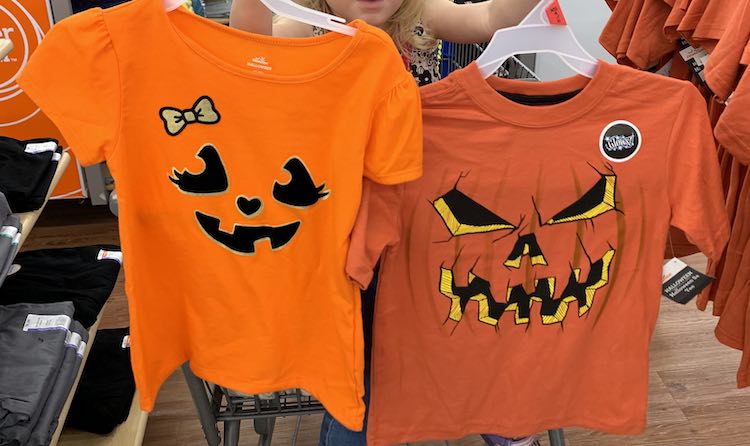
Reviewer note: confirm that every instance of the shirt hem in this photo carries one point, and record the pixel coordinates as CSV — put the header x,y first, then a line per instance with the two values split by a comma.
x,y
727,339
474,429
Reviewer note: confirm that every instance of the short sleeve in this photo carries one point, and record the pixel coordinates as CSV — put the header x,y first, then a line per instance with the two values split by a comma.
x,y
694,179
394,151
73,77
378,226
733,129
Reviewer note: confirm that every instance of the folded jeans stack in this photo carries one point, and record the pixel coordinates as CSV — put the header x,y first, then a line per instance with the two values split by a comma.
x,y
41,349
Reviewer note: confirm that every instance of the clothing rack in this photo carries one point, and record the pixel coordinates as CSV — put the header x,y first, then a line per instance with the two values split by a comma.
x,y
216,404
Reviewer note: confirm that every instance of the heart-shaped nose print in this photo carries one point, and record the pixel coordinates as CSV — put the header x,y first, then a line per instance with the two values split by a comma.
x,y
249,207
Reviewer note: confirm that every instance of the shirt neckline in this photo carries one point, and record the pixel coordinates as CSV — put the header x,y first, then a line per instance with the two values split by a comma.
x,y
484,92
309,42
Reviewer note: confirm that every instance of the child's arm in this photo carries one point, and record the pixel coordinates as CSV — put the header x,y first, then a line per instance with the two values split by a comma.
x,y
472,23
254,17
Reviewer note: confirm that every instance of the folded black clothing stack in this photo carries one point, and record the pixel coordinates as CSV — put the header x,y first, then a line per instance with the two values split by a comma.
x,y
84,275
41,350
27,168
105,391
10,237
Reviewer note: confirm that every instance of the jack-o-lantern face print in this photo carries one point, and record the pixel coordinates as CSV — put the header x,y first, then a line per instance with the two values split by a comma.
x,y
464,217
300,192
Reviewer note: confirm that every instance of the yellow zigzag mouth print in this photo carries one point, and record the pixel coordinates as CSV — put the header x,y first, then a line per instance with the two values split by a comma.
x,y
518,301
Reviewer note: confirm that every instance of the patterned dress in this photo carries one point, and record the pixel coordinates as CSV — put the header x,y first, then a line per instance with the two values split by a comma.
x,y
423,64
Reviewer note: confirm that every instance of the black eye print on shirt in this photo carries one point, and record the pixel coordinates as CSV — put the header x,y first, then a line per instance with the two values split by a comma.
x,y
213,179
300,191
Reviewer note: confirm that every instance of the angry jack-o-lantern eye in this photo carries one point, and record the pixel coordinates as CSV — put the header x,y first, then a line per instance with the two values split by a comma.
x,y
462,215
599,200
300,191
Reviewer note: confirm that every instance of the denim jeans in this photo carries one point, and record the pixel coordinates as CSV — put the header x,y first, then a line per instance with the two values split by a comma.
x,y
333,433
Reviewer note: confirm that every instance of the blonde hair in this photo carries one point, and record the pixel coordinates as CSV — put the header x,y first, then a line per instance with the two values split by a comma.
x,y
401,26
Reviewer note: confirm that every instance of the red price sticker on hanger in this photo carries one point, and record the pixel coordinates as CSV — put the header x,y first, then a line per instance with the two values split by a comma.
x,y
555,14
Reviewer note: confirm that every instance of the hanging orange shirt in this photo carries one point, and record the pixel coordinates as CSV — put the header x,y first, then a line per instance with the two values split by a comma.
x,y
732,298
724,65
520,280
691,18
616,27
679,9
238,160
714,22
648,45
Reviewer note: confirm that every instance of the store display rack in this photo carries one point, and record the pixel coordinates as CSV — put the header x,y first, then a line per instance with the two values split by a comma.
x,y
129,433
216,404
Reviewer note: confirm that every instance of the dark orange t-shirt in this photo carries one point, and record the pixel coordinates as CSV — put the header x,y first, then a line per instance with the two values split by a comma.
x,y
615,28
733,290
724,65
648,45
520,279
238,161
714,22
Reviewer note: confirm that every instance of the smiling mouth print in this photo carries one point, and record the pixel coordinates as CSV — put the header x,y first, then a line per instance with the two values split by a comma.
x,y
300,192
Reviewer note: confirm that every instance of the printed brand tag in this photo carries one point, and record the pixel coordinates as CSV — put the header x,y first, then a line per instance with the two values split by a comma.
x,y
126,342
81,349
110,255
8,231
41,322
40,147
14,269
695,58
555,14
682,283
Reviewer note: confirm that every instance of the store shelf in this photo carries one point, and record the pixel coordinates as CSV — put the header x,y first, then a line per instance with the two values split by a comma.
x,y
6,46
66,407
129,433
28,219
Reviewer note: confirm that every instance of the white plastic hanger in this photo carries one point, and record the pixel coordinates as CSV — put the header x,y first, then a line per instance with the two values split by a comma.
x,y
6,46
536,35
290,9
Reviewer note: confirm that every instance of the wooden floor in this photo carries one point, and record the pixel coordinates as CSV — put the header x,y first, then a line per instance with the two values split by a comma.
x,y
693,400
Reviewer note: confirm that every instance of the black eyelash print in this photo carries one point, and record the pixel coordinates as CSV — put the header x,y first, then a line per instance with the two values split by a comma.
x,y
301,190
212,180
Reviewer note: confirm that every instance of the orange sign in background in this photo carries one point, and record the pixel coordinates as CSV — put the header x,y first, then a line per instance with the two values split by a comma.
x,y
25,22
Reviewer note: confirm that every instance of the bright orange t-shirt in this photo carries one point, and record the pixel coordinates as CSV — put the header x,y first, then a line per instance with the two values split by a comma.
x,y
520,279
238,160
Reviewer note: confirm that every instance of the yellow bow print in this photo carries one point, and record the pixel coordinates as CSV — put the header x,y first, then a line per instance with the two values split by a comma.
x,y
203,111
